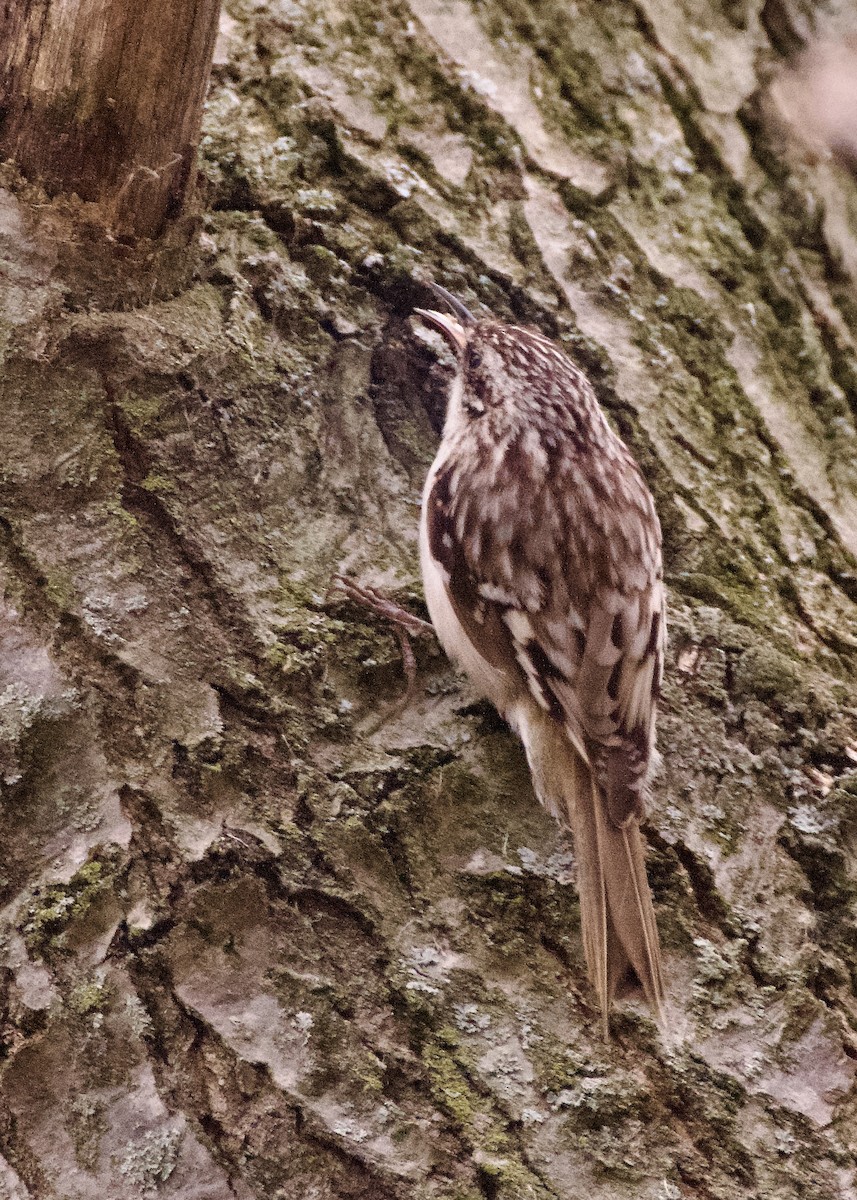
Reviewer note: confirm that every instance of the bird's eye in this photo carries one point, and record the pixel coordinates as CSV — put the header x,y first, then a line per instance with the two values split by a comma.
x,y
474,360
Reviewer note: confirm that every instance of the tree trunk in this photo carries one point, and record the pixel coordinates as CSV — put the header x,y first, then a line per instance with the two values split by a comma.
x,y
104,98
271,926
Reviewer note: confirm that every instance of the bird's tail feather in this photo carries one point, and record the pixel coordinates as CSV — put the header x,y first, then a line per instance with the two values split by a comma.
x,y
616,913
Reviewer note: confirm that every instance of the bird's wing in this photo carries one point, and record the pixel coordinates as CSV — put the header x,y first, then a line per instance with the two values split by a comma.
x,y
569,607
573,664
469,624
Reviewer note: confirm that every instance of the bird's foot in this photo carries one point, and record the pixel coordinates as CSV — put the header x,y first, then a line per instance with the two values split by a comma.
x,y
405,624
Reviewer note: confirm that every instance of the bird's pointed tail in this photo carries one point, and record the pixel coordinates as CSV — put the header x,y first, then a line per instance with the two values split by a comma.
x,y
616,912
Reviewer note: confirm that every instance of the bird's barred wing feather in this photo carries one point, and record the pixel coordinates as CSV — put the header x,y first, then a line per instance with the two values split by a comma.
x,y
574,608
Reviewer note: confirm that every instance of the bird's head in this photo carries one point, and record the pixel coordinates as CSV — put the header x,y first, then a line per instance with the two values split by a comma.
x,y
512,375
471,391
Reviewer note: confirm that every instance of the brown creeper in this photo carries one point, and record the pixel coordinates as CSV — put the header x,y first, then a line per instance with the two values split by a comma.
x,y
541,559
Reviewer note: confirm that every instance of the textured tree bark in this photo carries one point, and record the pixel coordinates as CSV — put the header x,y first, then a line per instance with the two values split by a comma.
x,y
272,926
104,98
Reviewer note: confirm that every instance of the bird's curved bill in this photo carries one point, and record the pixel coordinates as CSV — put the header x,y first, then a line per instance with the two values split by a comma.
x,y
446,324
465,316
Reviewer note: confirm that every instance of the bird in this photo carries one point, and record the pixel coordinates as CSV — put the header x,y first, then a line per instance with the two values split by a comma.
x,y
541,559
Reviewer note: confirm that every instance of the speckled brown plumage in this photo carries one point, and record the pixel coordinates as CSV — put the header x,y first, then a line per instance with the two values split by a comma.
x,y
541,553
